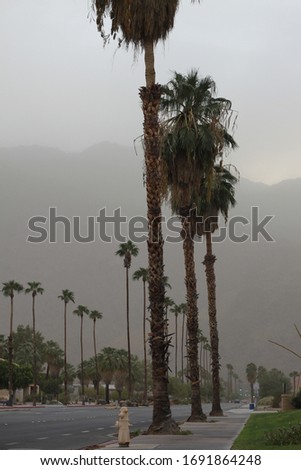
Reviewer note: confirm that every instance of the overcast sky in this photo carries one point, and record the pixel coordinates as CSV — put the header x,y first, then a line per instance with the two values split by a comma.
x,y
59,87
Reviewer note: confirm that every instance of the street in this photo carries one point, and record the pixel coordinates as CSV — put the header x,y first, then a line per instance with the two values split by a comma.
x,y
72,427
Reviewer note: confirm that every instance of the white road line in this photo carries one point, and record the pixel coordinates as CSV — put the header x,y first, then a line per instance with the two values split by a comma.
x,y
42,438
12,443
66,434
85,431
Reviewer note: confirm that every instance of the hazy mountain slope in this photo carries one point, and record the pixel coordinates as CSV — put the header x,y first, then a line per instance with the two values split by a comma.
x,y
258,282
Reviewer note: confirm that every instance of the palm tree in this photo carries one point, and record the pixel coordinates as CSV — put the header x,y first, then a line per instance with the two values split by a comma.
x,y
187,108
96,315
80,311
109,362
126,251
54,359
9,288
34,288
251,372
142,273
143,25
221,198
193,136
66,296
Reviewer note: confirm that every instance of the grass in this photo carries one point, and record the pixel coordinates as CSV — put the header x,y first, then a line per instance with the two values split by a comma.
x,y
253,434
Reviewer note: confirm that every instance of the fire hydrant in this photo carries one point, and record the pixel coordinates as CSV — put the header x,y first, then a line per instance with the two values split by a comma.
x,y
123,425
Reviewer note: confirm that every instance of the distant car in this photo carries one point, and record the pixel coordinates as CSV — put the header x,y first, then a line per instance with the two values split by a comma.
x,y
4,402
237,400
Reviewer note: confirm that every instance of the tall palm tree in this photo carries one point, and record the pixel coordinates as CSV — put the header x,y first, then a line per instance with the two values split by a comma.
x,y
142,273
95,315
34,288
143,25
251,371
9,288
220,200
66,296
188,108
126,251
80,311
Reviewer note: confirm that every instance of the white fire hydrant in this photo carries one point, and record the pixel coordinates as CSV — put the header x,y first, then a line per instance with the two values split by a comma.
x,y
123,425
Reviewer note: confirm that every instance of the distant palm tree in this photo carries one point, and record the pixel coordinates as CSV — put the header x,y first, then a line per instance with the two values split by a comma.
x,y
109,361
54,359
66,296
9,288
126,251
251,372
142,273
34,288
80,311
96,315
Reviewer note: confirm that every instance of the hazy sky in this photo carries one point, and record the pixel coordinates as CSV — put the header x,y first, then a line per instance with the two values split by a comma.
x,y
59,87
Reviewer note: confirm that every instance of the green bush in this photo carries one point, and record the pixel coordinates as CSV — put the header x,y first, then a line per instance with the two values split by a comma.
x,y
284,436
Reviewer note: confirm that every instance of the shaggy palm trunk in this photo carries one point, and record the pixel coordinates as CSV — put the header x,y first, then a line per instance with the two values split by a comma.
x,y
144,343
192,322
182,347
176,345
209,261
34,353
65,355
150,96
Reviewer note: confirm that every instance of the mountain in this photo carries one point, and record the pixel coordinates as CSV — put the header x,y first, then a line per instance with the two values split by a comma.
x,y
50,200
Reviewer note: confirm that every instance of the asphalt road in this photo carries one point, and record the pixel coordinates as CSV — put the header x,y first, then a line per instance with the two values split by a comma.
x,y
63,428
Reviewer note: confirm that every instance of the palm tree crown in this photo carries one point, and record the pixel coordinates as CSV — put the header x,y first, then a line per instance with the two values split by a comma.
x,y
9,288
66,296
137,21
126,251
193,134
34,288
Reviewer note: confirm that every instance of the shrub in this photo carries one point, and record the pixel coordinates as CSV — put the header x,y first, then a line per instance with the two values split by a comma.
x,y
284,436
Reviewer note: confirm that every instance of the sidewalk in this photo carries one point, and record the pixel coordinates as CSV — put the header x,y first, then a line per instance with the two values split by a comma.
x,y
217,433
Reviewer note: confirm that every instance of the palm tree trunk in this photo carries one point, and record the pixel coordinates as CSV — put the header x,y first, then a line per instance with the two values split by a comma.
x,y
82,359
65,355
10,355
176,345
150,97
209,261
192,323
34,353
96,361
128,333
144,343
182,348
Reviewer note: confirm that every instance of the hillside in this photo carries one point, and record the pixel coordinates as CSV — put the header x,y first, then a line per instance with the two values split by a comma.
x,y
258,281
